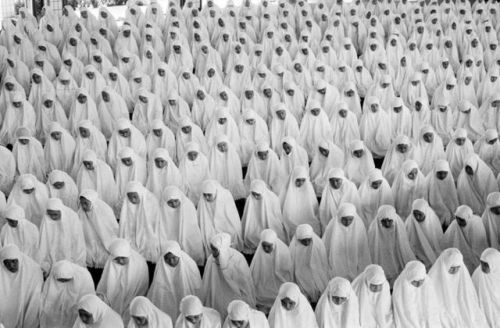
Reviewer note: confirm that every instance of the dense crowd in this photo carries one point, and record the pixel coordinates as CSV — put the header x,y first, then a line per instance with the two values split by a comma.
x,y
282,165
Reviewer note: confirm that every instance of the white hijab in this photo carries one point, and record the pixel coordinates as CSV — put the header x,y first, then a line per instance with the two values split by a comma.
x,y
346,246
267,169
302,315
331,315
161,177
119,284
375,308
358,168
457,299
442,194
192,306
21,303
428,153
25,235
103,316
491,220
457,154
488,287
142,307
241,312
413,306
395,158
425,237
405,189
371,199
270,270
172,283
389,247
326,156
60,298
194,172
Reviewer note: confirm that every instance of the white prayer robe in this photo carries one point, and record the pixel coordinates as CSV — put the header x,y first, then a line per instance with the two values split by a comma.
x,y
192,306
103,315
487,286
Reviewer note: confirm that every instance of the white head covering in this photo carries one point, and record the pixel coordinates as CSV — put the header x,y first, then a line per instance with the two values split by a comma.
x,y
457,154
442,194
192,306
61,239
296,157
142,307
394,158
346,247
135,140
99,228
59,153
470,239
119,284
171,284
371,199
194,172
268,169
314,128
226,277
331,315
389,247
414,306
357,169
20,304
299,204
473,189
30,156
219,215
345,127
406,190
426,237
281,128
160,178
60,298
375,127
302,315
164,139
375,308
427,153
68,192
25,235
139,222
487,285
322,164
260,214
457,300
491,220
103,316
240,311
270,270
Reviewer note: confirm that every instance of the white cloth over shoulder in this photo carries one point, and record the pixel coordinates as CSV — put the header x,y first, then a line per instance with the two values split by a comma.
x,y
486,279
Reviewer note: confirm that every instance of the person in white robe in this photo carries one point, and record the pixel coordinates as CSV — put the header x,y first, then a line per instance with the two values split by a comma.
x,y
160,136
32,195
298,202
282,124
486,279
129,167
144,314
374,295
239,314
7,170
262,211
59,148
19,112
148,108
176,276
475,182
226,277
457,300
359,162
409,184
95,313
125,135
414,298
64,287
271,266
345,127
88,137
292,155
21,280
346,243
217,213
469,119
125,276
458,150
374,192
338,190
162,172
19,231
194,313
338,306
389,243
375,127
94,173
401,150
488,149
326,156
61,236
194,169
179,222
441,192
62,186
83,108
265,165
189,132
100,227
314,127
310,268
467,233
140,219
225,166
491,220
111,107
424,232
291,309
429,149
